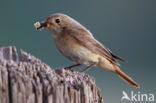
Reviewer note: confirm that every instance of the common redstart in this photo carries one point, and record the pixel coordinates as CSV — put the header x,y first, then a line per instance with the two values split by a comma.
x,y
77,43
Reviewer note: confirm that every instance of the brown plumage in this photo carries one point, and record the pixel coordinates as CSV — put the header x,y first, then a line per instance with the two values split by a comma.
x,y
85,39
76,43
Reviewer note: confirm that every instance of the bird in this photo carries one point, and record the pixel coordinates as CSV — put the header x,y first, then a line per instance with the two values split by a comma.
x,y
78,44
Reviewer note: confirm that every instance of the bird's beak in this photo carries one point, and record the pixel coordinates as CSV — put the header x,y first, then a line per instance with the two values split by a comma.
x,y
41,25
45,24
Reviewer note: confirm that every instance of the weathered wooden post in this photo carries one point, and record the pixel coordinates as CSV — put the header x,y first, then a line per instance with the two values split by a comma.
x,y
28,80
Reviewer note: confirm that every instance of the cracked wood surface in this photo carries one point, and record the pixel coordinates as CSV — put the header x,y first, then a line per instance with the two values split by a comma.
x,y
26,79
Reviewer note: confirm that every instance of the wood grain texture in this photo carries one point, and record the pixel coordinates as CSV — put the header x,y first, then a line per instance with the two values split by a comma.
x,y
28,80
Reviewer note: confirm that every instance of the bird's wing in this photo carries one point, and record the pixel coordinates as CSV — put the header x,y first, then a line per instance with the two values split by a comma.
x,y
86,39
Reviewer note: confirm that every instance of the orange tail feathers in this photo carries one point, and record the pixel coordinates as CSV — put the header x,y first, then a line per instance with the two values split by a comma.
x,y
125,77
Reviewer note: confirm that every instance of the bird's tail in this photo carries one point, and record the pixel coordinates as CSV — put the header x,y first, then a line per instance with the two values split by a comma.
x,y
125,77
108,65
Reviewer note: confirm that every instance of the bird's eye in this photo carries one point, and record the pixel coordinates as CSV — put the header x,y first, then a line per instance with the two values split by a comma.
x,y
57,20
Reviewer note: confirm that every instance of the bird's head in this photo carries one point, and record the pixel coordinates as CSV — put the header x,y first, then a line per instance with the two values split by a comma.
x,y
56,23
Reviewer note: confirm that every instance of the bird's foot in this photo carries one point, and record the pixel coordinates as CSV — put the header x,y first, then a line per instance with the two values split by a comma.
x,y
72,66
68,68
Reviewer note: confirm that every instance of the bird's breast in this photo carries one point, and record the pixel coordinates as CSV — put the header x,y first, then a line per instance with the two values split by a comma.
x,y
74,51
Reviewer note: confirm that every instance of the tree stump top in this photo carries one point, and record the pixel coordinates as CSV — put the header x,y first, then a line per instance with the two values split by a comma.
x,y
26,79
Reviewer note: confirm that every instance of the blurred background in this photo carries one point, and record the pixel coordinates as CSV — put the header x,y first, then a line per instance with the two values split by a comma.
x,y
126,27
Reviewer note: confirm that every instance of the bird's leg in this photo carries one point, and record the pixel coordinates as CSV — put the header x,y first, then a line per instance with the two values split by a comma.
x,y
89,67
72,66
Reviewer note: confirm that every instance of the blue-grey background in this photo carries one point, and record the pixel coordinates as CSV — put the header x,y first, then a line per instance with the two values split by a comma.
x,y
126,27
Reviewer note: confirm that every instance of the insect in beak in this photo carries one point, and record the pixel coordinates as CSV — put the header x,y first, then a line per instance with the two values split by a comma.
x,y
41,25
